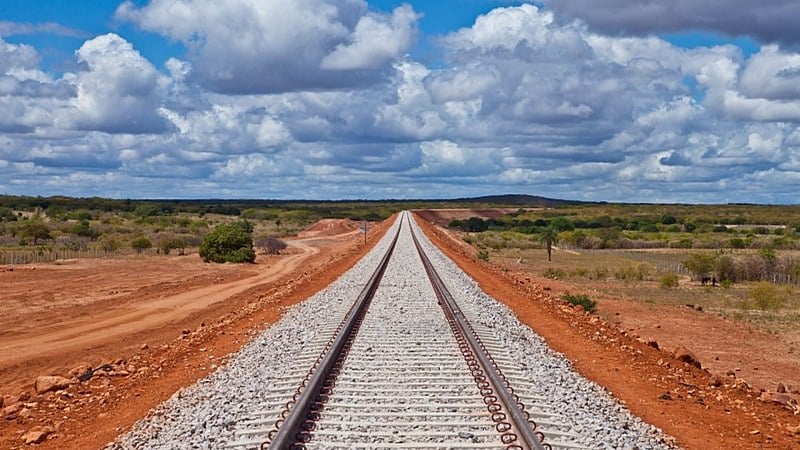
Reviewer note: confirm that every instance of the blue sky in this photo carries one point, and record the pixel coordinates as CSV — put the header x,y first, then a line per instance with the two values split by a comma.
x,y
330,99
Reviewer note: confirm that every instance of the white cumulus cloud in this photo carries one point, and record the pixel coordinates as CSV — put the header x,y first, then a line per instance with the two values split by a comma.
x,y
260,46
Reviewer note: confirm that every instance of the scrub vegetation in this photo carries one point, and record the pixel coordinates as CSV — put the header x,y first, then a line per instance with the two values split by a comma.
x,y
738,261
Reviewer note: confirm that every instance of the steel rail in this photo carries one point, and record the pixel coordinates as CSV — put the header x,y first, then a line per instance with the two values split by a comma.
x,y
532,440
292,425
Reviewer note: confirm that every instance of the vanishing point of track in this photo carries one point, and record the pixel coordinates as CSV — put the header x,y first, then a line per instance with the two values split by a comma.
x,y
404,369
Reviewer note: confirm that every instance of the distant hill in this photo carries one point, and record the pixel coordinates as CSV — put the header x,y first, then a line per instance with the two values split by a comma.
x,y
520,200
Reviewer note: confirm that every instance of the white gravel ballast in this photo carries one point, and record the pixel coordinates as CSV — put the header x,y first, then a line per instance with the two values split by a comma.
x,y
404,383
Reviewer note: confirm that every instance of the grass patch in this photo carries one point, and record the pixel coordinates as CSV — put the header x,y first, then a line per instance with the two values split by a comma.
x,y
554,274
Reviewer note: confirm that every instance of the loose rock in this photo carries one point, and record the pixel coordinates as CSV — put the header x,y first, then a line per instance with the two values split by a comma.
x,y
781,399
683,354
78,370
37,435
10,412
49,383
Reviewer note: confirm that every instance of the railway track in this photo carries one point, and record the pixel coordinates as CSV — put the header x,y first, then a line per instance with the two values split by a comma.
x,y
406,369
422,359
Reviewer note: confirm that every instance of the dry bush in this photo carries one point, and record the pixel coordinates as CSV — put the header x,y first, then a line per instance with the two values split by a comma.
x,y
669,280
767,296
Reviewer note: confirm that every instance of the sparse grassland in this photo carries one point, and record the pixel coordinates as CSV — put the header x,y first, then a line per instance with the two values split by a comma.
x,y
775,308
738,261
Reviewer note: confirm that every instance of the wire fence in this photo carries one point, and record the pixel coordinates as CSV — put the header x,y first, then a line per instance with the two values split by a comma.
x,y
43,255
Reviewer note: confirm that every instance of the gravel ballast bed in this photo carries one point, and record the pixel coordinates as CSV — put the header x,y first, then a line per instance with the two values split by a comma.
x,y
205,415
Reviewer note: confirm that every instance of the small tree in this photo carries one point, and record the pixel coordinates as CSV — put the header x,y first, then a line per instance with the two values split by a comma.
x,y
230,242
7,215
109,244
700,263
34,230
548,237
475,225
561,223
141,244
169,243
770,258
726,268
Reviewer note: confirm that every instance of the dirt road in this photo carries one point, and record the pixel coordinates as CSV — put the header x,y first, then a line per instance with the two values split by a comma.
x,y
136,314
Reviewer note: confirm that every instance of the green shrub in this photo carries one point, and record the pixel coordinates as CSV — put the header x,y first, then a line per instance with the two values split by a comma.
x,y
580,299
83,229
700,263
141,243
738,243
669,280
109,244
483,255
230,242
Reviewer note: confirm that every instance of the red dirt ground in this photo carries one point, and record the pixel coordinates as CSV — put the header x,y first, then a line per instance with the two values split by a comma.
x,y
330,227
160,323
242,300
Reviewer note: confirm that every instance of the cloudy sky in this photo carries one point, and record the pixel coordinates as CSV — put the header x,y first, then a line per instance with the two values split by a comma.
x,y
620,100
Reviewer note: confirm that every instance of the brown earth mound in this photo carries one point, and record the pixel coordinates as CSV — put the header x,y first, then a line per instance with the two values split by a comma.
x,y
329,227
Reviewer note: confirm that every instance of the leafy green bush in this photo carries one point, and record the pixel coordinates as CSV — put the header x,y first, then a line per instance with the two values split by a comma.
x,y
738,243
483,255
700,263
83,229
7,214
588,304
141,243
669,280
34,229
229,242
